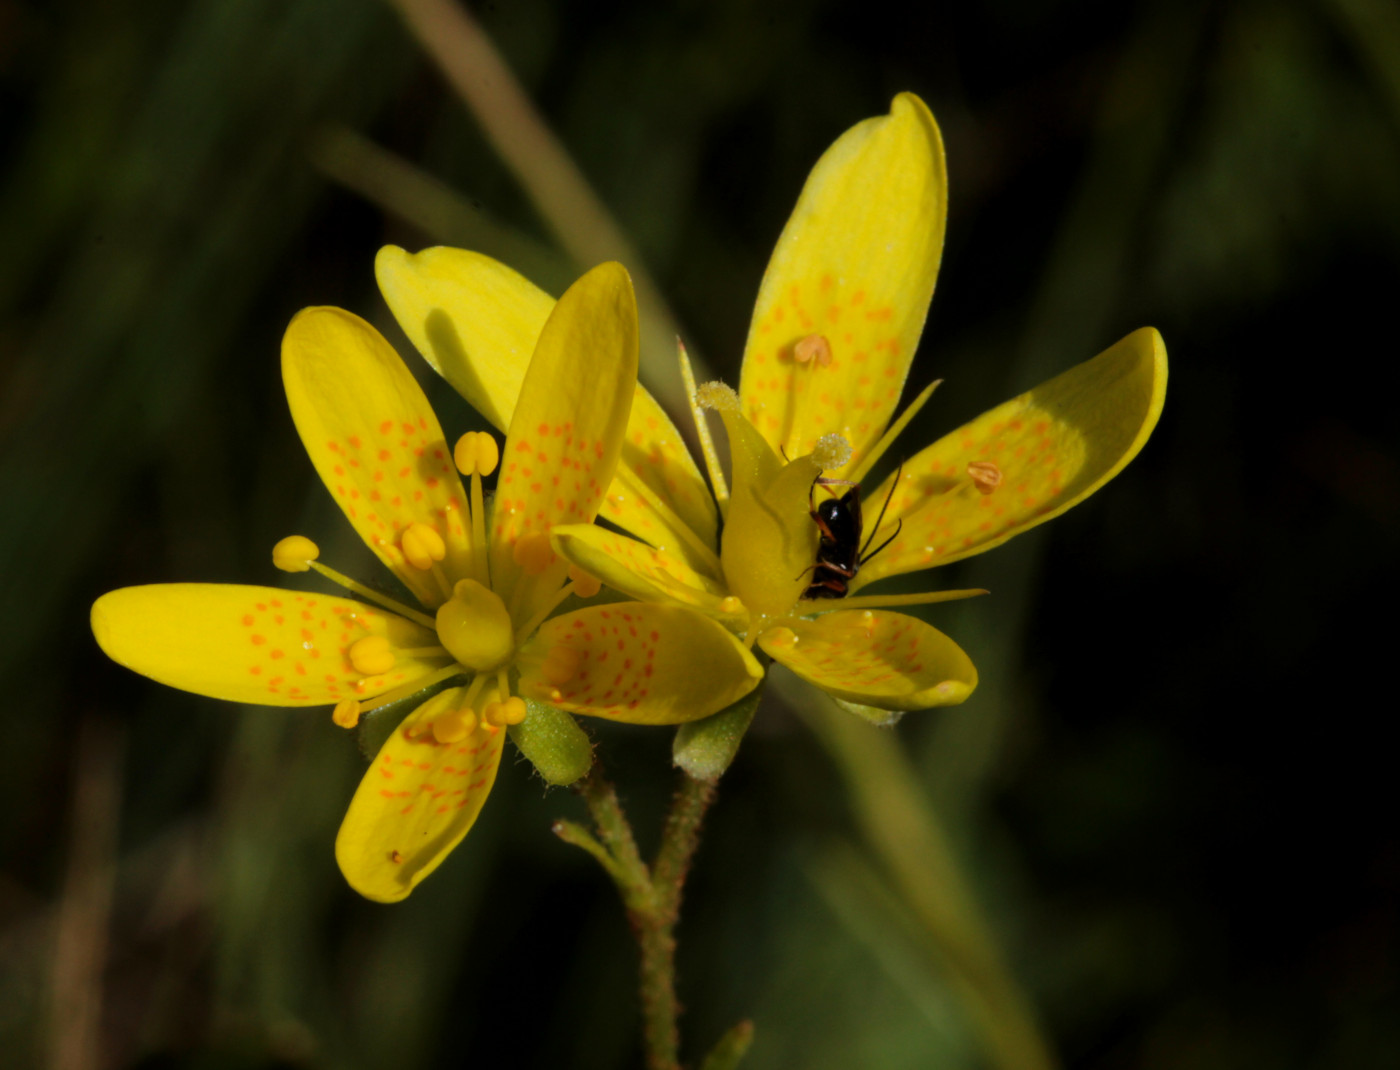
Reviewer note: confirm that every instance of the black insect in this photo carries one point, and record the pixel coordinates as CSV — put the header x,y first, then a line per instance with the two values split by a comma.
x,y
840,553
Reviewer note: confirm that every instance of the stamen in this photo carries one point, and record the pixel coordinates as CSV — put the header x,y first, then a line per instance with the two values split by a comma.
x,y
887,601
295,553
511,711
702,428
371,655
866,462
533,554
986,476
378,702
731,604
374,596
476,453
585,586
346,713
814,349
481,549
717,396
422,546
460,722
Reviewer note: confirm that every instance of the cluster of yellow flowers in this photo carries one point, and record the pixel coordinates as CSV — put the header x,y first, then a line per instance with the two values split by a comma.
x,y
711,571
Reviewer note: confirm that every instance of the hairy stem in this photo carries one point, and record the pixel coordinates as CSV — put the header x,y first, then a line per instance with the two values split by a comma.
x,y
651,894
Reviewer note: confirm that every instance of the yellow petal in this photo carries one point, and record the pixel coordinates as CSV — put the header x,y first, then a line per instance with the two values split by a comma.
x,y
1046,451
638,570
654,454
855,268
254,644
874,658
644,664
566,433
374,440
415,803
477,322
474,320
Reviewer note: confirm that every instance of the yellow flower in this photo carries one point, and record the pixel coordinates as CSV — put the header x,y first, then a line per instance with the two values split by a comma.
x,y
835,328
487,638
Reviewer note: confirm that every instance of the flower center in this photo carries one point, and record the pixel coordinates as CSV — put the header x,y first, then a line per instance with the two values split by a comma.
x,y
475,627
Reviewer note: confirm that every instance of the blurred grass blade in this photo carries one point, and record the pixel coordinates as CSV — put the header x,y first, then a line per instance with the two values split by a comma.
x,y
552,180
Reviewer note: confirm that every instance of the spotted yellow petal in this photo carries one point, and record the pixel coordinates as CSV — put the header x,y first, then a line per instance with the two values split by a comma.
x,y
845,295
1025,461
673,500
566,432
638,570
476,322
875,658
644,664
256,644
375,441
416,801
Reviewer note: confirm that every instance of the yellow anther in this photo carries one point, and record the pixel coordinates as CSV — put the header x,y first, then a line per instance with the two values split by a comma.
x,y
295,554
371,655
585,586
561,664
781,637
514,709
718,396
476,453
423,546
346,713
731,604
494,714
986,476
831,451
813,349
474,625
454,725
533,553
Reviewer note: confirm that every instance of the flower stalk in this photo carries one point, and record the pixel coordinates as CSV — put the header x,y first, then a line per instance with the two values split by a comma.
x,y
651,895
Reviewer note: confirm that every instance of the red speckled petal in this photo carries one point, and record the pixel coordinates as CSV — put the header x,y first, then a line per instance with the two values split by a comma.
x,y
374,440
1051,448
415,803
644,664
874,658
254,644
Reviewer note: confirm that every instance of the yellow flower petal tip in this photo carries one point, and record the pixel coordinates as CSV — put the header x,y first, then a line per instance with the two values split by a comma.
x,y
295,554
476,453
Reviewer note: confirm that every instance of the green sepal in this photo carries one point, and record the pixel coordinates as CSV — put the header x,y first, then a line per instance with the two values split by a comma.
x,y
704,748
559,749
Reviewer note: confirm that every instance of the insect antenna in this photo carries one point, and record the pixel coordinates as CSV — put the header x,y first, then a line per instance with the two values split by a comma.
x,y
898,527
880,519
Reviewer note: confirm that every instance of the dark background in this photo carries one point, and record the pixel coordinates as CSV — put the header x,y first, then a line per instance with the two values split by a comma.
x,y
1169,791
